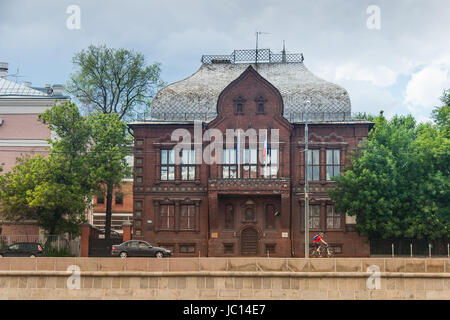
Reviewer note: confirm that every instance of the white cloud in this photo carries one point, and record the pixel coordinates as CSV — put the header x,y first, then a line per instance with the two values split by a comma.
x,y
377,75
427,84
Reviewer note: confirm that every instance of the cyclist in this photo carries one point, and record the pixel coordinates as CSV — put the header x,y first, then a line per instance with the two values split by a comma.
x,y
318,241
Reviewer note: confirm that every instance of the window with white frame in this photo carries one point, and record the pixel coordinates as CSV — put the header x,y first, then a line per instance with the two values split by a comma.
x,y
333,163
188,165
313,165
229,166
167,165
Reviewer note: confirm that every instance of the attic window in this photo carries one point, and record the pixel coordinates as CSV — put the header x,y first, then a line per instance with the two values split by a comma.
x,y
260,101
260,107
239,105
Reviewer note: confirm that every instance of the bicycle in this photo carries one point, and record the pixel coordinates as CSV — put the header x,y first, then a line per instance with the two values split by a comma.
x,y
326,252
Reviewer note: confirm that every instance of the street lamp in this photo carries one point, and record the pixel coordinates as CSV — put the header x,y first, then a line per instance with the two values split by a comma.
x,y
308,103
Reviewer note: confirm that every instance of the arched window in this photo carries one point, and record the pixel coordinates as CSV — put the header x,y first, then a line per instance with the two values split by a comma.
x,y
229,216
270,216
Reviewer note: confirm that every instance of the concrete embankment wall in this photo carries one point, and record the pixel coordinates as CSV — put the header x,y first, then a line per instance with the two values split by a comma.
x,y
224,278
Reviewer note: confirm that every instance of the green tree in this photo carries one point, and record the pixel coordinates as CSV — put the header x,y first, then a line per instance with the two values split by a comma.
x,y
33,190
111,80
388,184
109,149
433,143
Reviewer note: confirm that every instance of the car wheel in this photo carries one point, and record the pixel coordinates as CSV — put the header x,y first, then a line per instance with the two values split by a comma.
x,y
123,254
159,254
32,256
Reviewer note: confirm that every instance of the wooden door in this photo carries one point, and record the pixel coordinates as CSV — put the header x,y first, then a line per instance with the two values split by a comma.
x,y
249,242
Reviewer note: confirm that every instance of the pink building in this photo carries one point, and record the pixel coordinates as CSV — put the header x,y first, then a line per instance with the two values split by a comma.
x,y
20,130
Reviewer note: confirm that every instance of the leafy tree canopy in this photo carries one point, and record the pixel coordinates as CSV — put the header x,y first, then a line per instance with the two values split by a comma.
x,y
114,81
397,185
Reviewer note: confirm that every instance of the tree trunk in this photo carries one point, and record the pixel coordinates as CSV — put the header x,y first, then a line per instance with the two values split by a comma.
x,y
109,194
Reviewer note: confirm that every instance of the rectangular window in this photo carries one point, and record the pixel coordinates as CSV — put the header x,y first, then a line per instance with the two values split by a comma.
x,y
100,200
269,166
249,164
187,217
313,165
333,218
167,217
187,248
229,166
314,217
119,198
188,165
167,165
333,163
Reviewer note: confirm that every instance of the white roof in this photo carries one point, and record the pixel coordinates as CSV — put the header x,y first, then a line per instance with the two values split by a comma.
x,y
13,89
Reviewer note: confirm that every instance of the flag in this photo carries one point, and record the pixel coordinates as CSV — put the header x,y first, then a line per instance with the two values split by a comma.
x,y
265,149
238,147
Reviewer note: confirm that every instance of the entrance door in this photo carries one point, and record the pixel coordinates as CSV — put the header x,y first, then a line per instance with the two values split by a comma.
x,y
249,242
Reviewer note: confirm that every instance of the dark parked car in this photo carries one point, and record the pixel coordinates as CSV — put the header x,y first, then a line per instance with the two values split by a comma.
x,y
23,249
138,248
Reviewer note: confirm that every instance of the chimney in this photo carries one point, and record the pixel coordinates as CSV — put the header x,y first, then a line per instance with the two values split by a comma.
x,y
58,89
4,70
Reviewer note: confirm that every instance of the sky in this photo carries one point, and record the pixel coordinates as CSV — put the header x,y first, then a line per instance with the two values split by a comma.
x,y
393,57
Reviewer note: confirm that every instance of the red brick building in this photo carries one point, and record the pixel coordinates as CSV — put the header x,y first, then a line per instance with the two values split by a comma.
x,y
236,206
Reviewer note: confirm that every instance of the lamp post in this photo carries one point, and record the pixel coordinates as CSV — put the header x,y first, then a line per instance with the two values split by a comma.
x,y
306,183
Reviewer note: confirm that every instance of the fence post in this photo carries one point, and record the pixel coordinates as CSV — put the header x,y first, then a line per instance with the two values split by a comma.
x,y
392,249
448,250
410,249
429,250
85,234
126,231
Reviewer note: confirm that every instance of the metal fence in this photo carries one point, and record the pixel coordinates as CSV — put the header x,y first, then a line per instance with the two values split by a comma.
x,y
253,55
56,244
410,248
291,117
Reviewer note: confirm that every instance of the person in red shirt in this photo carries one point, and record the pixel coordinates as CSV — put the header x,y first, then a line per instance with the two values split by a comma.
x,y
318,240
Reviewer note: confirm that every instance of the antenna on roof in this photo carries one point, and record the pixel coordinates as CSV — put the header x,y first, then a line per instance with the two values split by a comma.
x,y
283,54
257,35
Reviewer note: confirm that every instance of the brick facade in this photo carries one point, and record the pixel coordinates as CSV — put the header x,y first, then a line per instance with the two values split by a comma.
x,y
251,214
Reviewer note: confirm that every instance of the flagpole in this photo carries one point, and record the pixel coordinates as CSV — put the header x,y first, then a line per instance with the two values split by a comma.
x,y
306,184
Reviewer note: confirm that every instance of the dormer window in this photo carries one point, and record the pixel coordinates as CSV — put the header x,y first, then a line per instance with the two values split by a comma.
x,y
260,101
239,105
260,107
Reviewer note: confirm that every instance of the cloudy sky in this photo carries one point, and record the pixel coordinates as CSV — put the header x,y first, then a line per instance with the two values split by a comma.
x,y
400,67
